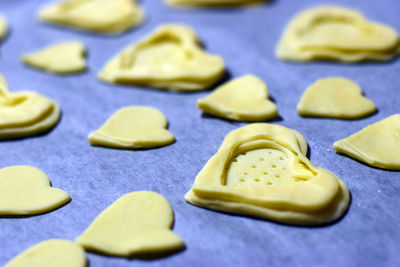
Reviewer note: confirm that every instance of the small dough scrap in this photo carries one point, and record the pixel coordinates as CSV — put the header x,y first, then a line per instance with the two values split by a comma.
x,y
137,223
243,99
171,58
63,58
337,33
335,97
26,190
262,170
100,16
51,253
196,3
134,127
377,144
25,114
3,27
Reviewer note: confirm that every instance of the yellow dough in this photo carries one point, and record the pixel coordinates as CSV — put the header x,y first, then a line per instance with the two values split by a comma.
x,y
335,98
377,144
51,253
262,170
337,33
138,222
3,27
213,2
26,190
61,58
101,16
243,99
171,58
25,113
134,127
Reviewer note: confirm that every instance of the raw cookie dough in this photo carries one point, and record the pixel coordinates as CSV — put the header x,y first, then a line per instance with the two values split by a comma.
x,y
243,99
170,58
63,58
377,144
25,114
26,190
134,127
3,27
51,253
262,170
195,3
335,98
137,223
337,33
101,16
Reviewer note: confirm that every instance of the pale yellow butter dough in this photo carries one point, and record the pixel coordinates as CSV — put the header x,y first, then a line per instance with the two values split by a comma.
x,y
243,99
25,113
262,170
137,223
377,144
62,58
134,127
335,97
101,16
26,190
3,27
51,253
337,33
170,58
196,3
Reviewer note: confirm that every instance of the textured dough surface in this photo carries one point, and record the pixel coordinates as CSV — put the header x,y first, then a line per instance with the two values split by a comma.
x,y
26,190
101,16
61,58
197,3
134,127
138,222
51,253
3,27
337,33
335,98
377,144
243,99
262,170
25,113
170,58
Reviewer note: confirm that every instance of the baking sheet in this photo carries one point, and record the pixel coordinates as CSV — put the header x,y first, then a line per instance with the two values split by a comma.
x,y
95,177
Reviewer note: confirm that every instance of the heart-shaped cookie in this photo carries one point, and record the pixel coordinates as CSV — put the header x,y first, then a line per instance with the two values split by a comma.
x,y
138,222
134,127
262,170
25,113
170,58
335,98
313,34
63,58
101,16
243,99
377,144
51,253
26,190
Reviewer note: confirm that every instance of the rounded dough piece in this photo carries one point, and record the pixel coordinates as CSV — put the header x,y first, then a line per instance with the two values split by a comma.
x,y
3,27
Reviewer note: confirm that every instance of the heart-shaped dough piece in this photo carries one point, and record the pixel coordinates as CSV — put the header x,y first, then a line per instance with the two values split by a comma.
x,y
313,35
3,27
262,170
101,16
243,99
61,58
377,144
25,113
137,223
170,58
134,127
196,3
335,98
26,190
51,253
